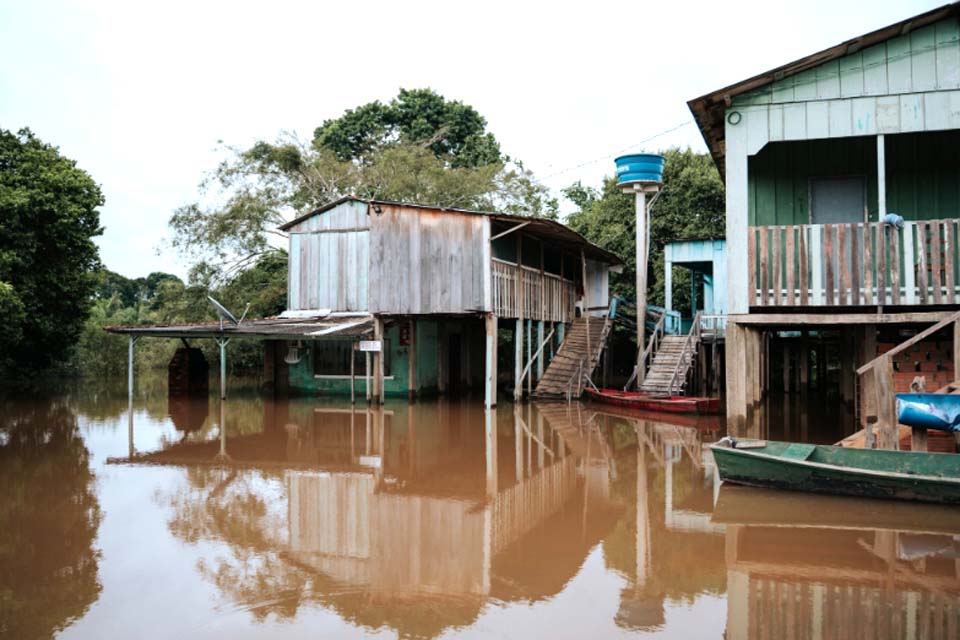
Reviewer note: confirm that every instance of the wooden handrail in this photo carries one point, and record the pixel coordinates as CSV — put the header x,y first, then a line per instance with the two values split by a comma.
x,y
909,343
694,331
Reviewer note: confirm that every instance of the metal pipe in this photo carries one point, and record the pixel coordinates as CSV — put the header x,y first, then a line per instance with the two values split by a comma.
x,y
223,368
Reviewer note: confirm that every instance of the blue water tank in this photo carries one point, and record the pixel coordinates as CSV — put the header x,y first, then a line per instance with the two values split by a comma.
x,y
639,168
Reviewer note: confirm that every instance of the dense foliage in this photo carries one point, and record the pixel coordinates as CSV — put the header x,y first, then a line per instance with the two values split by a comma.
x,y
420,148
48,217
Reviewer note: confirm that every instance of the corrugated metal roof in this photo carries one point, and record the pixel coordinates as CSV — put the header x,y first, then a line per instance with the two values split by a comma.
x,y
709,109
334,327
550,229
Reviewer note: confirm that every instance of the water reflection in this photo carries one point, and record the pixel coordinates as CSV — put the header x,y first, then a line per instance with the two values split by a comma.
x,y
534,520
825,567
48,519
413,516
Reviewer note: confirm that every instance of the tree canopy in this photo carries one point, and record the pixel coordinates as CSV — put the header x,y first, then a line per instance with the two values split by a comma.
x,y
420,147
454,132
47,255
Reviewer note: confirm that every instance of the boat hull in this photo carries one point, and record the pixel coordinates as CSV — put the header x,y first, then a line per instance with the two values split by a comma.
x,y
656,404
754,468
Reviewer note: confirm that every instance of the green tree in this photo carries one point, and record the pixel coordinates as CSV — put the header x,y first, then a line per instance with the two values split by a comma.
x,y
418,148
690,205
454,132
48,217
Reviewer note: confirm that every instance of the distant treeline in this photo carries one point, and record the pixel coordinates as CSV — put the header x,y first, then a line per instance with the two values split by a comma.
x,y
163,298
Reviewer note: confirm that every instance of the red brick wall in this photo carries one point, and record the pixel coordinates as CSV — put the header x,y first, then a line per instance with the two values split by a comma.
x,y
932,359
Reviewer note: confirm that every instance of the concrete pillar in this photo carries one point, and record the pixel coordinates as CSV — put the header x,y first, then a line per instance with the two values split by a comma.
x,y
667,285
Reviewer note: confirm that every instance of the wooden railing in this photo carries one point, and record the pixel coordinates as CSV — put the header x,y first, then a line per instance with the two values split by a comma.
x,y
543,296
859,264
687,355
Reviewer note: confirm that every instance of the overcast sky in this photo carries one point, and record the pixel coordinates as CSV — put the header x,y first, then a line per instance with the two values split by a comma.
x,y
140,93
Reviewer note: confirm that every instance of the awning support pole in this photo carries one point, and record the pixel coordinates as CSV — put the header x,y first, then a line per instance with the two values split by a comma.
x,y
133,341
223,366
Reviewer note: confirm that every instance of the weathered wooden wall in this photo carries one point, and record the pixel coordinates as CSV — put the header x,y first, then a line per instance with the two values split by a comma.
x,y
925,59
425,261
329,260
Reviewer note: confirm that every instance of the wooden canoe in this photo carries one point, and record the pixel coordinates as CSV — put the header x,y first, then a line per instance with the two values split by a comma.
x,y
868,473
655,403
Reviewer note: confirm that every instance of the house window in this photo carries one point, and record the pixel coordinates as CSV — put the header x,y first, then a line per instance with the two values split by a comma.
x,y
333,359
838,200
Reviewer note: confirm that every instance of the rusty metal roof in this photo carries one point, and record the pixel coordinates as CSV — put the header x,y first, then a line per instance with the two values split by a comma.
x,y
558,232
328,327
708,110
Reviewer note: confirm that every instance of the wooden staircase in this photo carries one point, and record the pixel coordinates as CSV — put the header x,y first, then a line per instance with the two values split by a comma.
x,y
573,364
668,373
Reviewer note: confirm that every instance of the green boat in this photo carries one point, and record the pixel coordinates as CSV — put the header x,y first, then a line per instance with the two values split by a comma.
x,y
868,473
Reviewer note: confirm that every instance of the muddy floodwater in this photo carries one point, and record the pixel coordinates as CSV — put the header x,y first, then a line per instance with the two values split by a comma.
x,y
307,518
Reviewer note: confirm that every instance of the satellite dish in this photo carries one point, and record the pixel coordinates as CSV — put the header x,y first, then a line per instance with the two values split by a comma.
x,y
222,310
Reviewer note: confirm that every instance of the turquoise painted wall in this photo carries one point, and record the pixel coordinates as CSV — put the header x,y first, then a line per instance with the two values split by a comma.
x,y
778,179
428,338
923,175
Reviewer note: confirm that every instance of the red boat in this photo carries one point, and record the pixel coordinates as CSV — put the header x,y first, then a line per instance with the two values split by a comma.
x,y
655,403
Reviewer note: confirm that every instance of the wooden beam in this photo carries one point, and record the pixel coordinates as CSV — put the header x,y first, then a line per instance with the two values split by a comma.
x,y
828,318
953,318
509,231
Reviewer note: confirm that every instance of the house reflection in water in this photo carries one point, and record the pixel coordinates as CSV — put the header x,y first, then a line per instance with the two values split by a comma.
x,y
821,567
414,516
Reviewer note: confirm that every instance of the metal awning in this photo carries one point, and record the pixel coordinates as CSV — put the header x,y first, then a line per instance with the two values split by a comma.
x,y
333,326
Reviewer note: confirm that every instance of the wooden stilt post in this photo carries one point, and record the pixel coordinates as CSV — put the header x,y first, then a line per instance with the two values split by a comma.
x,y
736,374
366,380
412,362
490,369
529,356
518,360
353,373
378,365
541,354
804,362
518,334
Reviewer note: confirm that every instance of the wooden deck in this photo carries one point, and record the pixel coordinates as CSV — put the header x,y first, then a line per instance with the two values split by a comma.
x,y
545,296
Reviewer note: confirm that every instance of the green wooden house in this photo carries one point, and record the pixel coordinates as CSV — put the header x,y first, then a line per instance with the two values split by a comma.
x,y
815,154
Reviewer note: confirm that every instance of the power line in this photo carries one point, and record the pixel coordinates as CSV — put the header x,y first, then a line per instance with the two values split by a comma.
x,y
616,153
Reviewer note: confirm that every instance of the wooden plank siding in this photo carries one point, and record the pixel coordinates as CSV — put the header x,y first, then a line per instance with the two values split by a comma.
x,y
924,59
859,264
328,260
426,261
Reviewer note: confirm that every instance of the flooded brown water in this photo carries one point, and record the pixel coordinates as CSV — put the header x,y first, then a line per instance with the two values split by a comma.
x,y
305,518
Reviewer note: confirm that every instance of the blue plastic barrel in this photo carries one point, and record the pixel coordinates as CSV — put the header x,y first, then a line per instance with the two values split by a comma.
x,y
639,167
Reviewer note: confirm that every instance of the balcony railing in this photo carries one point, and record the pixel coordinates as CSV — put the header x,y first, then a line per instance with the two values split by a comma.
x,y
860,264
544,296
